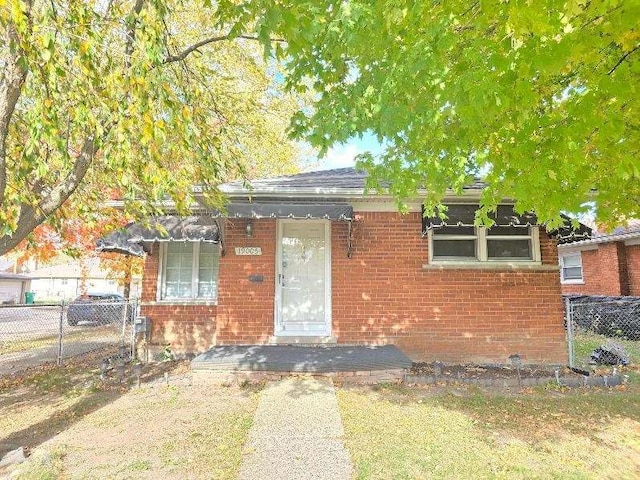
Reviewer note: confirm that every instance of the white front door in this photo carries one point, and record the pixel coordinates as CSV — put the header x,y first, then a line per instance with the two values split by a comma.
x,y
303,301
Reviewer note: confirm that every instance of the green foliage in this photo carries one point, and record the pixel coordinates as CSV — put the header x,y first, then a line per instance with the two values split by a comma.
x,y
114,100
540,97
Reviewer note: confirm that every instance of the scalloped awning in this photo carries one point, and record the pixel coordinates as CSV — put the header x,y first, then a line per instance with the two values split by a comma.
x,y
329,211
130,239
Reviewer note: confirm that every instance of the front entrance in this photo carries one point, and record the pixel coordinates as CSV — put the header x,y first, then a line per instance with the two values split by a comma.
x,y
303,269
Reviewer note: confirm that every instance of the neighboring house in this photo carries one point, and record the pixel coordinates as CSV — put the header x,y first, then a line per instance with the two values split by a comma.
x,y
607,264
13,288
311,258
68,280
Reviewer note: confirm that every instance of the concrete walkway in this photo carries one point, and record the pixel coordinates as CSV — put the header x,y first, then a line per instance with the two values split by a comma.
x,y
297,433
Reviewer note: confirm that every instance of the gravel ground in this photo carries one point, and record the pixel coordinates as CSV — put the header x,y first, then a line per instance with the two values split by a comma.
x,y
297,434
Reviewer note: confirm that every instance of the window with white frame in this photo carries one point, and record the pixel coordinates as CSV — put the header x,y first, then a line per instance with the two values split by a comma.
x,y
479,244
571,268
190,271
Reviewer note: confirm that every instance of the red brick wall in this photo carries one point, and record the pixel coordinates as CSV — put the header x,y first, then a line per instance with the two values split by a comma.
x,y
186,327
611,269
590,276
633,268
245,308
380,295
383,295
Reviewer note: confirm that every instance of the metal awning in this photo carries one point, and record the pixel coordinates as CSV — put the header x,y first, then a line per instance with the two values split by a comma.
x,y
505,216
464,216
296,210
130,239
567,233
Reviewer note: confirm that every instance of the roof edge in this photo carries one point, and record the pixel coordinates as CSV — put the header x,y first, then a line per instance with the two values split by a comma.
x,y
602,239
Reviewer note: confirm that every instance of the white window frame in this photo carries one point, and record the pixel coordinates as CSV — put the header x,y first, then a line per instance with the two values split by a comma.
x,y
194,277
482,255
570,281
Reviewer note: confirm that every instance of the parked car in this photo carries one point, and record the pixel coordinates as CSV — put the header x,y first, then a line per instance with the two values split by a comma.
x,y
98,308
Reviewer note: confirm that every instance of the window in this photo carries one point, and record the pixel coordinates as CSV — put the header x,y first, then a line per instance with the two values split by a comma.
x,y
571,268
190,270
479,244
455,243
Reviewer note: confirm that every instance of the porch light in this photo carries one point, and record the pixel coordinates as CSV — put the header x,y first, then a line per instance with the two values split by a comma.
x,y
249,229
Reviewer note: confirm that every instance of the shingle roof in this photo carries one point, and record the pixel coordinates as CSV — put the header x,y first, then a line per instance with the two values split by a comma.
x,y
338,178
13,276
629,232
633,226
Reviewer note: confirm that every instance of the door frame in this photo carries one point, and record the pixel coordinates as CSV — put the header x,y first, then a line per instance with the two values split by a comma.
x,y
277,315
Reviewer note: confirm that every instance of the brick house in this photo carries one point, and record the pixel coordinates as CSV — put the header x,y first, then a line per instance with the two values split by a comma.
x,y
607,264
311,258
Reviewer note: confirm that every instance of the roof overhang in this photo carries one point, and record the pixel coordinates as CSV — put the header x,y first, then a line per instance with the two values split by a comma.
x,y
629,238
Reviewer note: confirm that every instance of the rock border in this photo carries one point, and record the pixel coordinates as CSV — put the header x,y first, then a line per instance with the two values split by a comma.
x,y
571,382
236,377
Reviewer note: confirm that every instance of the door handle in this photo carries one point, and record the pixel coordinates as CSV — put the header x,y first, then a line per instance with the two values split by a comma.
x,y
281,279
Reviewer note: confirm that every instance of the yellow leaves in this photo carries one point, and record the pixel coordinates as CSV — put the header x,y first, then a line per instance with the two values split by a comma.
x,y
147,127
630,39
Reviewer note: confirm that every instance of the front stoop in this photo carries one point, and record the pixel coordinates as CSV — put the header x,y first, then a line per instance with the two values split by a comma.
x,y
236,377
258,363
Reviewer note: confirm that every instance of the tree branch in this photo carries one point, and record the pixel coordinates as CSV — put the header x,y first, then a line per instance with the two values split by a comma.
x,y
622,59
12,79
131,32
31,216
187,51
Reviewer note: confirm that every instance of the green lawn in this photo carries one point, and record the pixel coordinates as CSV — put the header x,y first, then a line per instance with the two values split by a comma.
x,y
403,433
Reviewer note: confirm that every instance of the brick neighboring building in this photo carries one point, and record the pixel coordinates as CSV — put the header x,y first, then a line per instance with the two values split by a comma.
x,y
312,259
607,264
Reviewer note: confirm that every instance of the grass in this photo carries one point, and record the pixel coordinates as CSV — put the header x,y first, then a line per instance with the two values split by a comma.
x,y
404,433
80,427
41,466
586,342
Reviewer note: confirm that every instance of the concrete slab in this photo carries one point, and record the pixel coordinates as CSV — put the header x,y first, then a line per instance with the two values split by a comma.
x,y
295,358
297,433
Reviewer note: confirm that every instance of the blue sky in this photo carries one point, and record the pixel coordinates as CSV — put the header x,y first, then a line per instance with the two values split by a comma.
x,y
343,155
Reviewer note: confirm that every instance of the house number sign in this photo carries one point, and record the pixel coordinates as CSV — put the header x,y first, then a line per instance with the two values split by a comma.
x,y
248,251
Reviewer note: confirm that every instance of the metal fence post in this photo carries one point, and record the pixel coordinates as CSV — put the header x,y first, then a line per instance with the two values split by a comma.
x,y
570,336
125,316
60,333
135,313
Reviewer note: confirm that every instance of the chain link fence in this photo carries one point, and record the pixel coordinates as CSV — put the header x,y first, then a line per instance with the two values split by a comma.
x,y
32,335
602,330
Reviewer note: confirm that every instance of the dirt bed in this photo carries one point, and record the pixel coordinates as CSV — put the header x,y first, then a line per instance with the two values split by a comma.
x,y
488,372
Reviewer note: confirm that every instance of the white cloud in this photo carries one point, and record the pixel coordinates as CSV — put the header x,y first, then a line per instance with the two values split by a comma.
x,y
340,156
